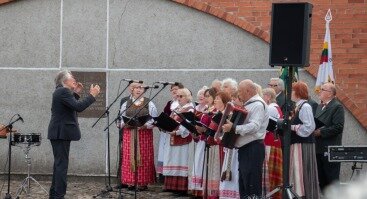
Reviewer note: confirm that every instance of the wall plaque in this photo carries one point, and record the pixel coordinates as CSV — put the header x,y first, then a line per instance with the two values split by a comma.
x,y
88,78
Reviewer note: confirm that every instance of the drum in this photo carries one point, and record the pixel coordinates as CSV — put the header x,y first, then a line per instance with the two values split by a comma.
x,y
30,139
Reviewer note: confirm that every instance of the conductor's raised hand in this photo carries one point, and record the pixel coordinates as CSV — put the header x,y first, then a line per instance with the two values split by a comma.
x,y
94,90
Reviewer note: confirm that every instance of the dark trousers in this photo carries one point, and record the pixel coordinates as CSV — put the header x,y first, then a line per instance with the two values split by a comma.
x,y
250,158
60,149
328,171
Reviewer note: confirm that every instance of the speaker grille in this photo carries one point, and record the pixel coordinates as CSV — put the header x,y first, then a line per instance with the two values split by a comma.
x,y
290,34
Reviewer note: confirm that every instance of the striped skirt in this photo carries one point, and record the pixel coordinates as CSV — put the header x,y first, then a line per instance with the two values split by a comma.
x,y
175,183
273,170
145,166
303,170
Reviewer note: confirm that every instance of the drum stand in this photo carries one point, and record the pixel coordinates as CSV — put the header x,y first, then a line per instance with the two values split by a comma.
x,y
26,184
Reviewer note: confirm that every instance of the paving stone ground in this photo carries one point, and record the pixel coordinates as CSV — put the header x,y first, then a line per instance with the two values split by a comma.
x,y
85,190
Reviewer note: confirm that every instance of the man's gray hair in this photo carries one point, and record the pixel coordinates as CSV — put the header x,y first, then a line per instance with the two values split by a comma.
x,y
62,76
231,82
280,83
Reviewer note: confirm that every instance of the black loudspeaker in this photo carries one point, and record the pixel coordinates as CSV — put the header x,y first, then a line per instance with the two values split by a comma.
x,y
290,34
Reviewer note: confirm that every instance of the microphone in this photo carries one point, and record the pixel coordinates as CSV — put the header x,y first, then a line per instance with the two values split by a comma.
x,y
20,118
132,80
168,83
153,86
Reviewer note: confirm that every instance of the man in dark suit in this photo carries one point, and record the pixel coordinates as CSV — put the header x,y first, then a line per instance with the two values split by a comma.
x,y
64,127
278,85
313,104
331,113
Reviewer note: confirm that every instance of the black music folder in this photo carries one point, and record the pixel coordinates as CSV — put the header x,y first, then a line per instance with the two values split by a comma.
x,y
190,116
136,122
272,125
189,121
318,123
165,122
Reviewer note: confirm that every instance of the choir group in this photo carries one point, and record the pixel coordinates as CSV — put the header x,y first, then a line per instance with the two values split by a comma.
x,y
196,162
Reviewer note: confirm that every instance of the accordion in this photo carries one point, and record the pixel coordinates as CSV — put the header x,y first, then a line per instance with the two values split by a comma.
x,y
237,116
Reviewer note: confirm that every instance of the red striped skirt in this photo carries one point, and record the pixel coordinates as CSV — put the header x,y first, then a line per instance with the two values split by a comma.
x,y
146,171
176,183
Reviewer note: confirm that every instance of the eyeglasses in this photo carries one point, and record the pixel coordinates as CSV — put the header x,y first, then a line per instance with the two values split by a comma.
x,y
325,90
181,96
272,85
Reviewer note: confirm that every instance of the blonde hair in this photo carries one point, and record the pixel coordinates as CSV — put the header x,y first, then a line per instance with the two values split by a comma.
x,y
187,93
259,89
271,93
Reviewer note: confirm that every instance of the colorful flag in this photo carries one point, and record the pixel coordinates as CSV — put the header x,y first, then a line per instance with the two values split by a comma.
x,y
325,73
284,75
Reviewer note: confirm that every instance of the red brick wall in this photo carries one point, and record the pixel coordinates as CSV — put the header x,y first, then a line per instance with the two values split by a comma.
x,y
348,39
5,1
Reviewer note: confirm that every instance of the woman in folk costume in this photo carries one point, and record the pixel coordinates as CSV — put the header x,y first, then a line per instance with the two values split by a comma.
x,y
144,163
175,165
164,136
273,168
228,188
202,104
303,167
196,171
214,160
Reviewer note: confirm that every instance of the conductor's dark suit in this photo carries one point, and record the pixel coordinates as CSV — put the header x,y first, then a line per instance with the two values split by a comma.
x,y
332,115
62,129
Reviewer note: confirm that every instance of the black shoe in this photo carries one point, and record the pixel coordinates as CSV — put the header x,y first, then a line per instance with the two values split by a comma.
x,y
121,186
131,188
161,179
181,193
142,188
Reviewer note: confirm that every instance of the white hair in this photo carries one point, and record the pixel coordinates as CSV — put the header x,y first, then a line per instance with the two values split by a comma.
x,y
280,83
62,76
232,82
203,89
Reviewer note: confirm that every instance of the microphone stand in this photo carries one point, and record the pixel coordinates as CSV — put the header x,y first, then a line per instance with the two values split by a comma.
x,y
107,113
206,156
206,163
9,127
145,90
120,114
135,136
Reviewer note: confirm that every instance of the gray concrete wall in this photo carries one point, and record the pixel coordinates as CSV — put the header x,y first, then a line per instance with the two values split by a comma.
x,y
152,40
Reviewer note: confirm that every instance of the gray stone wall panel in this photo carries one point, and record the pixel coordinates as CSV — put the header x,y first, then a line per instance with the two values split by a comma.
x,y
30,34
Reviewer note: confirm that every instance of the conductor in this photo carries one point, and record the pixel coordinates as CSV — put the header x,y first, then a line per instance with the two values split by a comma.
x,y
64,126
